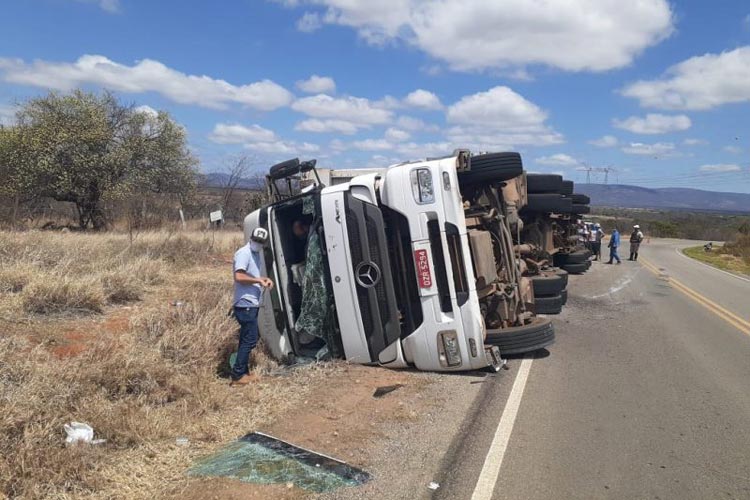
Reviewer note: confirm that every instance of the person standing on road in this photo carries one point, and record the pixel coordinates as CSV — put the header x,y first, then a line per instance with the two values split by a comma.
x,y
614,242
248,296
635,242
596,241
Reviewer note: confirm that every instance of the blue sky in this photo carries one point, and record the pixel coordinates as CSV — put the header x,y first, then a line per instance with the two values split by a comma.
x,y
658,91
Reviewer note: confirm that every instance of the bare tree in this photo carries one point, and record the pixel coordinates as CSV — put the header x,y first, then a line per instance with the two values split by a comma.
x,y
239,171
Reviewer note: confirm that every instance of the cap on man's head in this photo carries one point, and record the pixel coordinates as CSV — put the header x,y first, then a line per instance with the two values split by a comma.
x,y
636,226
259,235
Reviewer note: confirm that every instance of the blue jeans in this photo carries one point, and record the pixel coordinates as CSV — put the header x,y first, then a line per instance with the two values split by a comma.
x,y
613,254
248,320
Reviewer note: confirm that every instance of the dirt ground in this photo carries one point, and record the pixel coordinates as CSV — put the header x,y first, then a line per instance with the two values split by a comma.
x,y
144,371
340,417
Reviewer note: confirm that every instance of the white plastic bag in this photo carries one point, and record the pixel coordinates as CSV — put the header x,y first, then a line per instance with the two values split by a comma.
x,y
78,431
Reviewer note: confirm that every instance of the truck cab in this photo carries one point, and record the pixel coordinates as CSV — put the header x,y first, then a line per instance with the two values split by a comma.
x,y
409,265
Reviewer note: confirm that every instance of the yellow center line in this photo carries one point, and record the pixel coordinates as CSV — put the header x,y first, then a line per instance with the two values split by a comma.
x,y
709,301
728,316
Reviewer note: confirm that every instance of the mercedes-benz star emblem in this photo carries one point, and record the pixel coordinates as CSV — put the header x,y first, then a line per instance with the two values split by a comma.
x,y
367,274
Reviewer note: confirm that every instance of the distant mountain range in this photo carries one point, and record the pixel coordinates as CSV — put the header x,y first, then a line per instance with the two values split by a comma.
x,y
220,179
619,195
606,195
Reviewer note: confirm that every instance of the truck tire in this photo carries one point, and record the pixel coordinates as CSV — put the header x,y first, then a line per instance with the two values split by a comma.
x,y
547,284
543,183
548,305
580,199
566,205
519,339
562,273
567,187
492,167
578,268
564,295
545,203
580,209
573,257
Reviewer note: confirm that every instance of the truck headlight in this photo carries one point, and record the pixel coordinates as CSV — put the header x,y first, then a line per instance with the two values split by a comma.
x,y
450,351
422,186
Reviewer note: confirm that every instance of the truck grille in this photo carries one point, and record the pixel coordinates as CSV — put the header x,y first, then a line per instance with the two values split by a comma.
x,y
368,246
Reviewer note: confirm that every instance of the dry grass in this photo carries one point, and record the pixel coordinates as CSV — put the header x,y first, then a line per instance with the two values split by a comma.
x,y
141,386
727,257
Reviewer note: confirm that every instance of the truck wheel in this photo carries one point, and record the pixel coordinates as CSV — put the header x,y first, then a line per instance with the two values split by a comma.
x,y
567,187
548,305
580,209
547,284
519,339
562,273
545,202
492,167
566,205
543,183
577,268
580,199
576,257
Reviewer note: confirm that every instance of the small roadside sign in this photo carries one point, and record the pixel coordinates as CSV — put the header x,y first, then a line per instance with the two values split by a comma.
x,y
215,216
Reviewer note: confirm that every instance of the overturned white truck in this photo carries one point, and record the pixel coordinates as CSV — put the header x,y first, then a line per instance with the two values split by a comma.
x,y
411,265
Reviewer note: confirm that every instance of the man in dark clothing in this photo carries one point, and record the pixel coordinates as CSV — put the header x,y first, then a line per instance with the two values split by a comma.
x,y
635,242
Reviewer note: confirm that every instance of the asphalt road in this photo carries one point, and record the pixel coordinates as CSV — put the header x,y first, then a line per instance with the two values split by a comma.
x,y
644,395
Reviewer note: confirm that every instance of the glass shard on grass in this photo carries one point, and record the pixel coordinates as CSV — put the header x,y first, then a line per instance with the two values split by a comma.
x,y
263,459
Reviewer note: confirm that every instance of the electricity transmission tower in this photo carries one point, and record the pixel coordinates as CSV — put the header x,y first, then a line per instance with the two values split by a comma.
x,y
606,171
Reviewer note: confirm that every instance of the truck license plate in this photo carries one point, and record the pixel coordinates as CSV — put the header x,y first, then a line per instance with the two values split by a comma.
x,y
423,268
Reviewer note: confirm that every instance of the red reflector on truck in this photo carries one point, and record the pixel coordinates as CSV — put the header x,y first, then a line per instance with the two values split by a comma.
x,y
423,268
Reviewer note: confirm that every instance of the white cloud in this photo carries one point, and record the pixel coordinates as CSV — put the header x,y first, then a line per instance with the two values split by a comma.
x,y
559,159
607,141
695,142
414,150
355,110
327,126
410,123
654,123
396,135
234,133
317,85
699,83
424,99
657,149
309,22
258,139
732,149
111,6
720,168
498,119
478,34
147,109
373,145
146,75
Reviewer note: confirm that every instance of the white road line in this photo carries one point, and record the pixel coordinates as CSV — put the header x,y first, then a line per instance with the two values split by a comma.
x,y
491,468
620,285
679,252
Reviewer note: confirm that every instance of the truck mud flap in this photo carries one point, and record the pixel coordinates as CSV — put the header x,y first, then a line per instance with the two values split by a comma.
x,y
520,339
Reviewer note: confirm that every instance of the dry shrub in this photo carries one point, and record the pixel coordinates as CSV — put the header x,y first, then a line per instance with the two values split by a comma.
x,y
121,286
139,388
63,294
14,279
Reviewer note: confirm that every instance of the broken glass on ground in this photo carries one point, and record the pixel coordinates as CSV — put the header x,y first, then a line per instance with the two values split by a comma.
x,y
386,389
263,459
